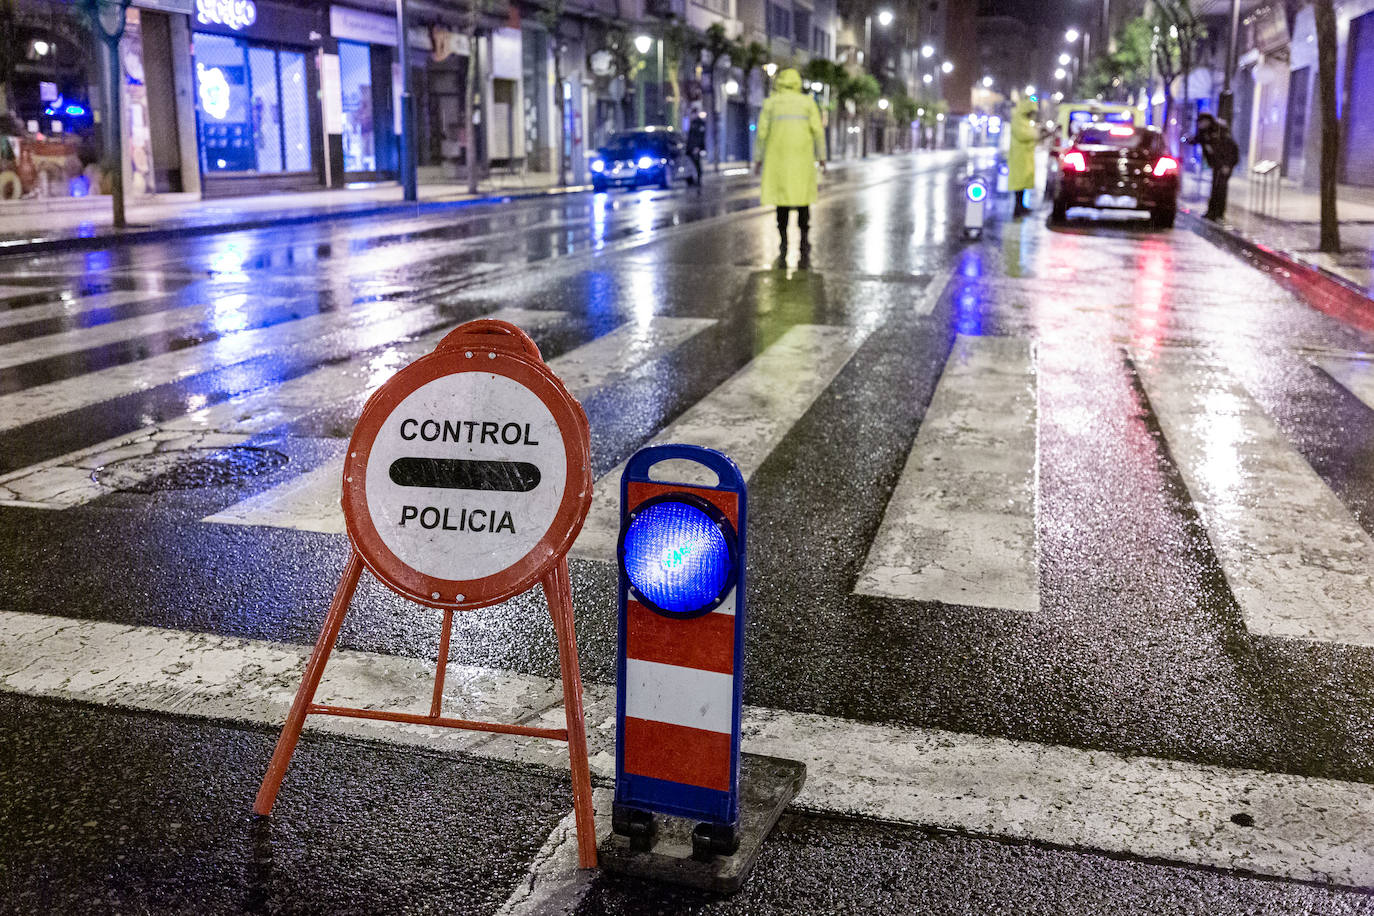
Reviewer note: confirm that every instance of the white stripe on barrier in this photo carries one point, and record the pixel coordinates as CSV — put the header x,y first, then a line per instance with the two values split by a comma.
x,y
679,696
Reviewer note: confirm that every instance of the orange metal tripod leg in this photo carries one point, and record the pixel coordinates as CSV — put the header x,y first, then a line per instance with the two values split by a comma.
x,y
310,682
558,590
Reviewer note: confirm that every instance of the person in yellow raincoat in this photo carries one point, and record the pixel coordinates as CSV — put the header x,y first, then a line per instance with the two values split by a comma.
x,y
790,145
1021,154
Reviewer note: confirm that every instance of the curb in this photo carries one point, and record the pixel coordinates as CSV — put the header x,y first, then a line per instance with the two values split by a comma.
x,y
110,238
1320,288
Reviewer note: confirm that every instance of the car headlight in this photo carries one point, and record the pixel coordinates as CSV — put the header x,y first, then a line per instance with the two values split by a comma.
x,y
598,165
646,162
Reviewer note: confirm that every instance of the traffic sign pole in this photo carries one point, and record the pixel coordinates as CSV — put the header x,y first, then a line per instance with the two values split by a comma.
x,y
467,480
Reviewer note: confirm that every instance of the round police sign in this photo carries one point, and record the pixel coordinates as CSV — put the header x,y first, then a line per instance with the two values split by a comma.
x,y
468,474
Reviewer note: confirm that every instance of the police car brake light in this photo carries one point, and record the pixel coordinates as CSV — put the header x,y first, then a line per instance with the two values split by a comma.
x,y
1074,161
1164,166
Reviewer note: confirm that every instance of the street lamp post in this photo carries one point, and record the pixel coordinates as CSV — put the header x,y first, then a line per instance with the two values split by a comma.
x,y
1226,103
642,44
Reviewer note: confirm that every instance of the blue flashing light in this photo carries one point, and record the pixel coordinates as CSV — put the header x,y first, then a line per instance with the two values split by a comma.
x,y
598,165
976,191
75,111
678,558
646,162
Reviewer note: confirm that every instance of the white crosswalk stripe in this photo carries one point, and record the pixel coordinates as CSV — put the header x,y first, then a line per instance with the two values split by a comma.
x,y
1301,828
359,327
960,526
311,502
74,306
1298,563
746,417
68,480
226,317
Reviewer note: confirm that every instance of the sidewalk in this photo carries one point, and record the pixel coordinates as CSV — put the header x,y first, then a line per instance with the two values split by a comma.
x,y
1292,227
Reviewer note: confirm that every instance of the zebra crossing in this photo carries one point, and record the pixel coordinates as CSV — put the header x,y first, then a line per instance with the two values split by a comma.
x,y
959,528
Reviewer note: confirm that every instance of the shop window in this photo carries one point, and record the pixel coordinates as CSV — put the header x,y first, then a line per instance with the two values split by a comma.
x,y
251,103
359,135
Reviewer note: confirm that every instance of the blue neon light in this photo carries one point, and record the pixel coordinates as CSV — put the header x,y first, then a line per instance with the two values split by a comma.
x,y
677,557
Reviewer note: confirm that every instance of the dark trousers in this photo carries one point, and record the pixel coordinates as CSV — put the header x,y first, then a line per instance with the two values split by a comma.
x,y
1216,203
695,156
803,222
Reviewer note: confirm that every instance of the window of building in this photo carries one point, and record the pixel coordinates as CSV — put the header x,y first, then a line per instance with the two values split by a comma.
x,y
251,105
801,26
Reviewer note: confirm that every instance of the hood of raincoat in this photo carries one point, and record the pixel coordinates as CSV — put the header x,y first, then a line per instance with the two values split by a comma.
x,y
788,80
1025,108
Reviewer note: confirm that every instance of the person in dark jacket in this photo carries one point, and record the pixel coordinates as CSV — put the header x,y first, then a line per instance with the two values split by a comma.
x,y
696,142
1221,153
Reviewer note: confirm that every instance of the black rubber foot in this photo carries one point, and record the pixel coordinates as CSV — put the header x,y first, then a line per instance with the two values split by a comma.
x,y
714,840
638,825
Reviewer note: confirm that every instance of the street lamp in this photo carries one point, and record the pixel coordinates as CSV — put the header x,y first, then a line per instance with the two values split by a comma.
x,y
927,78
885,18
1060,73
732,87
1064,59
1030,90
987,82
771,69
643,43
1071,36
882,104
947,67
927,51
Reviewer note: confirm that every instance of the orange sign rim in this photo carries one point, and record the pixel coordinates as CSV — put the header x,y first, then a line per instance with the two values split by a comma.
x,y
521,575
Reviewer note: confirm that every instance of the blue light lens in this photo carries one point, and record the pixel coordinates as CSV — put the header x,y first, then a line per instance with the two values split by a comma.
x,y
677,557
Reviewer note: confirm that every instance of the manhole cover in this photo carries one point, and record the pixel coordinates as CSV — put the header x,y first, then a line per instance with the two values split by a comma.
x,y
188,469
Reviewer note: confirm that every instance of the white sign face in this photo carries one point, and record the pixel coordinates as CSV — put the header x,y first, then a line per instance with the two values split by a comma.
x,y
357,25
465,476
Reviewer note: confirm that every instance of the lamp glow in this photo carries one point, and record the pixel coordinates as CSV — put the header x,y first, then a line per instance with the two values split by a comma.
x,y
885,18
643,43
677,557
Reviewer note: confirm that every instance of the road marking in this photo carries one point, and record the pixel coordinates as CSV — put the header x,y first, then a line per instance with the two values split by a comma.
x,y
359,327
1302,828
80,305
1298,563
747,416
1354,371
960,526
226,318
311,502
68,480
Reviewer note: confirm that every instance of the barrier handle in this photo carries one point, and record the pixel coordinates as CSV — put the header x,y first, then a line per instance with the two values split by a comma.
x,y
728,476
491,333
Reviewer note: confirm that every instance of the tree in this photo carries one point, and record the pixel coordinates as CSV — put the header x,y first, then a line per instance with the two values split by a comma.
x,y
904,111
716,46
1178,32
863,90
470,24
1325,16
833,77
748,58
108,18
10,54
679,42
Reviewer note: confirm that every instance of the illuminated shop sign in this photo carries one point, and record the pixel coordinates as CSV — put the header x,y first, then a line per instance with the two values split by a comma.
x,y
233,14
214,91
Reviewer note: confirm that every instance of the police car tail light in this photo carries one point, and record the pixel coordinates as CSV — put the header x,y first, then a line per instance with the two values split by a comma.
x,y
1075,162
1164,166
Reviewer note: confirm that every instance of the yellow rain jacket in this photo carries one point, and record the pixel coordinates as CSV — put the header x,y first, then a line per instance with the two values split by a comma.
x,y
790,142
1021,153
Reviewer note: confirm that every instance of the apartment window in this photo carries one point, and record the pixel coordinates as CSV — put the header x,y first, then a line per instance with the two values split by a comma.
x,y
779,21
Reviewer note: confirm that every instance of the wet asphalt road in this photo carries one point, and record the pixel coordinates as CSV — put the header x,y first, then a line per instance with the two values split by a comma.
x,y
1142,639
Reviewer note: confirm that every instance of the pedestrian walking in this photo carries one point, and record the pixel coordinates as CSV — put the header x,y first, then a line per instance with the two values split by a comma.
x,y
1021,154
790,147
696,143
1221,154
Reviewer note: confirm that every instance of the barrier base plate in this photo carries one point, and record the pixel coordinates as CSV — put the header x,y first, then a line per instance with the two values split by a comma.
x,y
767,786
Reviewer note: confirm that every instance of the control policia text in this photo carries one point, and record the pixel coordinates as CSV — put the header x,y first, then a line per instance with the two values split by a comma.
x,y
492,433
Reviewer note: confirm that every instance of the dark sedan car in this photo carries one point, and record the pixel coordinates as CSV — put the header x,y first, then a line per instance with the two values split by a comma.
x,y
633,158
1118,167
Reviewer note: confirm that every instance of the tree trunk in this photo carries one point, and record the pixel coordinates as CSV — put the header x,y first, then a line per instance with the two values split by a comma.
x,y
1325,16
